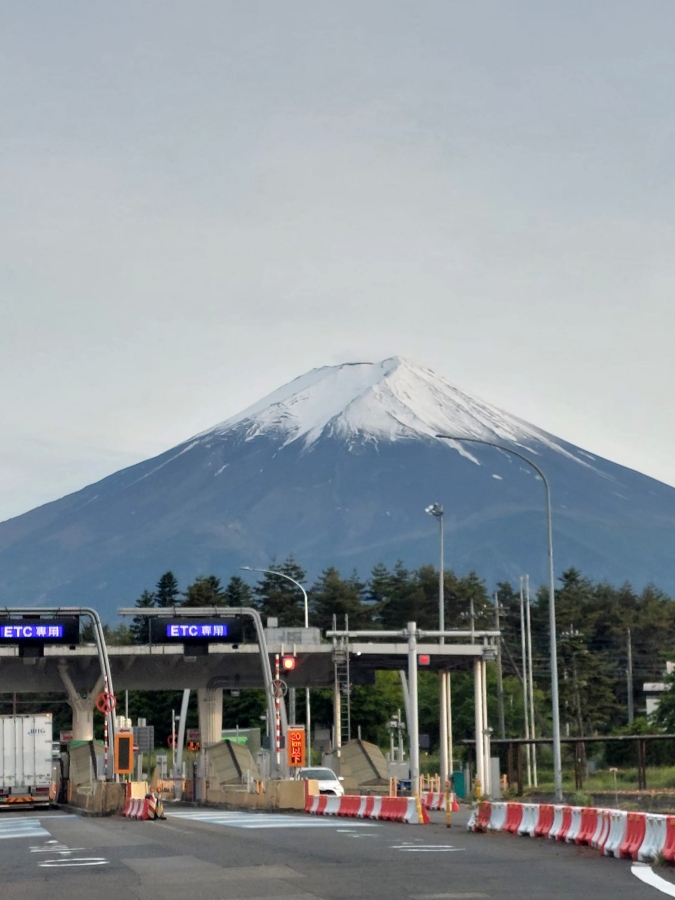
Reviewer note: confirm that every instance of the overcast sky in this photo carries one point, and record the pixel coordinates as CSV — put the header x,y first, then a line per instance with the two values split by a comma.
x,y
201,200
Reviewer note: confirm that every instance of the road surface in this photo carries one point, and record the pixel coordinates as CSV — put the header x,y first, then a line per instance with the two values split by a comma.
x,y
216,855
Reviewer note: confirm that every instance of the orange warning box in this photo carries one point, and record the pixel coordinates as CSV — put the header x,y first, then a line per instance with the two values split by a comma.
x,y
296,747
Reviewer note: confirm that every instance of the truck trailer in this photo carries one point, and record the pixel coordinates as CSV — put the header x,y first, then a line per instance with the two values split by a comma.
x,y
26,763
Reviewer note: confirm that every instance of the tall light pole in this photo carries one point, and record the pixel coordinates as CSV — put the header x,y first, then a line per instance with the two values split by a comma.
x,y
436,510
555,703
308,714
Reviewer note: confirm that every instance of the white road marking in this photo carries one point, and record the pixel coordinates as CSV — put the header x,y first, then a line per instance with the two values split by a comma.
x,y
77,862
649,876
264,820
24,827
426,848
59,848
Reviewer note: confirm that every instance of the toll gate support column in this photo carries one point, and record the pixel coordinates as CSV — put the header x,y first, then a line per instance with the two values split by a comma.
x,y
210,702
82,705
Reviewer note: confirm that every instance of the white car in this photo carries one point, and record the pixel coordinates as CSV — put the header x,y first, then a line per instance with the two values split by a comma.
x,y
329,783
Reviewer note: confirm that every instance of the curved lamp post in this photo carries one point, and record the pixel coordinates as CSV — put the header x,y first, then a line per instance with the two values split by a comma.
x,y
557,755
308,716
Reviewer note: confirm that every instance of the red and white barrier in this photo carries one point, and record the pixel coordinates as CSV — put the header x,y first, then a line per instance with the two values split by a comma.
x,y
575,824
436,800
602,830
617,831
613,832
383,809
530,819
498,816
136,809
655,838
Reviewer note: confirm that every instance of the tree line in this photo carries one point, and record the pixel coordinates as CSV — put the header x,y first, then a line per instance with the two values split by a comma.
x,y
595,624
594,620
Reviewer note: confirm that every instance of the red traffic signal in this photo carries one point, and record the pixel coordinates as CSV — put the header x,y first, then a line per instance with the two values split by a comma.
x,y
424,659
288,663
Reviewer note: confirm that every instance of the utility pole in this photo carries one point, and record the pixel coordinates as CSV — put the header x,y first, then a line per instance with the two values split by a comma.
x,y
629,676
530,679
500,682
526,704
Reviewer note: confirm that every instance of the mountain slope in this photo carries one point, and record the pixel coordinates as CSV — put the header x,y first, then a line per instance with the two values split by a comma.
x,y
337,468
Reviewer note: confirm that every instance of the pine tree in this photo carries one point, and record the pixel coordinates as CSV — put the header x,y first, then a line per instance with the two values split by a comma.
x,y
332,596
140,625
166,592
278,597
205,591
238,593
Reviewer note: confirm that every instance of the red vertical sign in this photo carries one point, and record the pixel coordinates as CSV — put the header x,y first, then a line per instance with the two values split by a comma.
x,y
296,747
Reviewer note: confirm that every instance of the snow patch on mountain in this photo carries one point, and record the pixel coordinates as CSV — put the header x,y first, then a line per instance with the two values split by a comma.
x,y
390,400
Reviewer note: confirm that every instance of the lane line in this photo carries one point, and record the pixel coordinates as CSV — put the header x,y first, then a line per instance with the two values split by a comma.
x,y
649,876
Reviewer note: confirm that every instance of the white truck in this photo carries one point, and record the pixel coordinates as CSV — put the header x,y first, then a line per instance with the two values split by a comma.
x,y
26,772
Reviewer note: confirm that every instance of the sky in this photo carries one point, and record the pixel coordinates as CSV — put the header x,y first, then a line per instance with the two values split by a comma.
x,y
200,201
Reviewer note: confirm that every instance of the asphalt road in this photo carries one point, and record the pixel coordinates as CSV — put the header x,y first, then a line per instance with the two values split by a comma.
x,y
213,855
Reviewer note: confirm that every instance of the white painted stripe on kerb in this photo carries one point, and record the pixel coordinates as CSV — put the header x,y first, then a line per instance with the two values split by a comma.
x,y
649,876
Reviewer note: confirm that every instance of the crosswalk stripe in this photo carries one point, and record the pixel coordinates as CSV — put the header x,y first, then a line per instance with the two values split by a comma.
x,y
253,821
19,829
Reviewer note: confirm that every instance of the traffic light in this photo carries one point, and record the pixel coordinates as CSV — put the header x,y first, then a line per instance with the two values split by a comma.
x,y
424,659
288,663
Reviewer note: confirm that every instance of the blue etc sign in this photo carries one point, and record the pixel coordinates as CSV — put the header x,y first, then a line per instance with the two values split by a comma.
x,y
193,629
64,630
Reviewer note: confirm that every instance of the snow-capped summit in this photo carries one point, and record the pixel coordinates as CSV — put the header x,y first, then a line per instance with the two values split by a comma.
x,y
337,468
384,401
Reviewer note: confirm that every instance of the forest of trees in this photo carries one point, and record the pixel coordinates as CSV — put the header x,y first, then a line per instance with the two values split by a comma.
x,y
594,620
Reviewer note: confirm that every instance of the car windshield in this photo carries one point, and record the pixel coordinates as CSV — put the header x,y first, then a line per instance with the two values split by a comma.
x,y
319,774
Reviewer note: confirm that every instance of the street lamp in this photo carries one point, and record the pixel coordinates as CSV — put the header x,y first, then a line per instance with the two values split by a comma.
x,y
557,755
308,717
436,510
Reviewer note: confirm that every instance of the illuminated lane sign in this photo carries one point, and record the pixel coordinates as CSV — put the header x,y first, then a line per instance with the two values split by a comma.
x,y
197,630
17,632
33,630
193,630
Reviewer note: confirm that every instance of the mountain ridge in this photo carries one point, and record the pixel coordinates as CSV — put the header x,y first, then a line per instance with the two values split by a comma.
x,y
337,475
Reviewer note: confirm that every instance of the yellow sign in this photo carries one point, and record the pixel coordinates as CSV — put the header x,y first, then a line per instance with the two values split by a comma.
x,y
296,747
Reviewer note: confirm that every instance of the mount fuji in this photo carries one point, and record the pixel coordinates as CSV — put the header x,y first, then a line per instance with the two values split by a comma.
x,y
337,468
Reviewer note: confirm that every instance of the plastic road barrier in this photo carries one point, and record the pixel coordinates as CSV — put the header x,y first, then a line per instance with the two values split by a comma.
x,y
655,838
545,820
617,831
136,809
560,824
575,824
530,819
669,843
589,822
514,816
387,809
498,817
483,816
613,832
566,823
636,826
436,800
